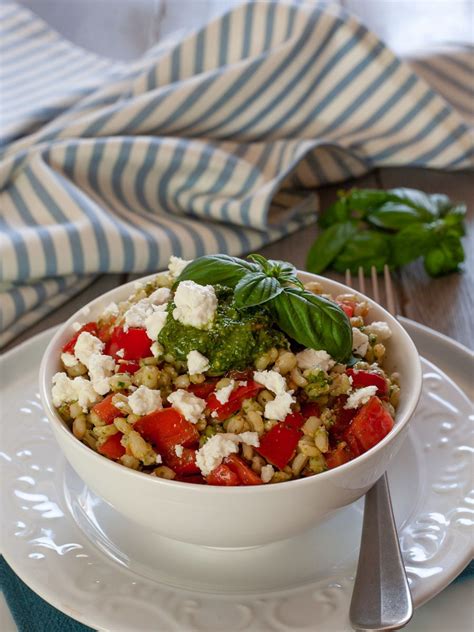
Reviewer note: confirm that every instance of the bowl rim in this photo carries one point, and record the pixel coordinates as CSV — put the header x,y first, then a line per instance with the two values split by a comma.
x,y
58,424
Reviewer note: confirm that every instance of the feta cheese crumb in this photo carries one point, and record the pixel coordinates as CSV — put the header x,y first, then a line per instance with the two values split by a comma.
x,y
379,329
120,353
267,473
76,326
68,359
86,346
195,304
158,459
360,342
280,407
155,322
271,380
67,390
178,450
197,363
360,396
157,349
111,310
314,359
160,296
223,394
221,445
190,406
101,367
176,265
144,400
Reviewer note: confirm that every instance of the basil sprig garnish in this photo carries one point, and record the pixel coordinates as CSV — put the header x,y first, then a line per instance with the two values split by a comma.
x,y
309,319
372,227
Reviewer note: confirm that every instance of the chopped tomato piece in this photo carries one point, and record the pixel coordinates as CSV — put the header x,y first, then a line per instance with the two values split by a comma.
x,y
223,475
370,425
134,342
112,448
343,417
310,409
184,464
69,346
348,307
241,376
340,455
196,479
294,420
167,428
106,410
245,474
278,445
203,390
129,367
223,411
366,378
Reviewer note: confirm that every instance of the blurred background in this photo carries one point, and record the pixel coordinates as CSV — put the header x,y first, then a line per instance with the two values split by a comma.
x,y
124,29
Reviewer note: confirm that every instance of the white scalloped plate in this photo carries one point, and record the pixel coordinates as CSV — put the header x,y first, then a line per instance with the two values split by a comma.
x,y
82,557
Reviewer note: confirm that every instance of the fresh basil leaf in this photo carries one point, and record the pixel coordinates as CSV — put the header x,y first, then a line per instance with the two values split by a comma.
x,y
365,249
445,257
418,200
361,201
328,245
255,289
262,263
284,271
337,212
395,216
217,269
313,321
411,242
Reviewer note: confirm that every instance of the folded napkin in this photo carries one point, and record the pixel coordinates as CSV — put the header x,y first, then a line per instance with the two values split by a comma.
x,y
213,143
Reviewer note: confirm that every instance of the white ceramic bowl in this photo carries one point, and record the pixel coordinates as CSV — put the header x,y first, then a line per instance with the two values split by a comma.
x,y
233,516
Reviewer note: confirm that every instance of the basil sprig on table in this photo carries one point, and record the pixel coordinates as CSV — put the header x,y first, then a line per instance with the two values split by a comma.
x,y
311,320
372,227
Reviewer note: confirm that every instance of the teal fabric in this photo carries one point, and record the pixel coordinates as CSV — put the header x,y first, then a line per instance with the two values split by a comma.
x,y
31,613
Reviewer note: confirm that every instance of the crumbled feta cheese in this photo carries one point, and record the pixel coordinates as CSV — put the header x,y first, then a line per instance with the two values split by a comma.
x,y
176,265
112,309
69,390
86,310
68,359
144,400
190,406
76,326
155,322
313,359
223,394
195,304
250,438
136,315
197,363
221,445
280,407
178,450
158,459
360,342
86,346
101,367
157,349
120,353
379,329
160,296
267,473
271,380
360,396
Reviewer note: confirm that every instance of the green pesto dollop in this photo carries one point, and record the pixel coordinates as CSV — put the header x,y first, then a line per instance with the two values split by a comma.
x,y
237,336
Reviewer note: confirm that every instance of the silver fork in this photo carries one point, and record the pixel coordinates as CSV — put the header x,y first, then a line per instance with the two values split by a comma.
x,y
381,599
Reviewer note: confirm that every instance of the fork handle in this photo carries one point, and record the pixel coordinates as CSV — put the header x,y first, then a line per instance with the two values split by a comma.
x,y
381,599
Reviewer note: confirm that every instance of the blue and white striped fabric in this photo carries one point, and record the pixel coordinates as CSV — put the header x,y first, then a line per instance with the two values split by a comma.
x,y
210,144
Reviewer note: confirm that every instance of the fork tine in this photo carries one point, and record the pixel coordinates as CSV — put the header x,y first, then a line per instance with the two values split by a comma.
x,y
361,280
375,284
348,277
389,290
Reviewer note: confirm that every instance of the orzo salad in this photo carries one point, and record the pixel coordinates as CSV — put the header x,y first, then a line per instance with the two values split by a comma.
x,y
224,371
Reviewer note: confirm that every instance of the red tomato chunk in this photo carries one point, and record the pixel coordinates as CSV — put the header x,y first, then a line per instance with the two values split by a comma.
x,y
370,425
340,455
224,476
134,342
166,429
89,327
223,411
246,475
361,379
106,410
112,448
278,445
184,464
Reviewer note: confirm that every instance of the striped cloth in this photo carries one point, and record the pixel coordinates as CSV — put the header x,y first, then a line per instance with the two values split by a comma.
x,y
211,144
